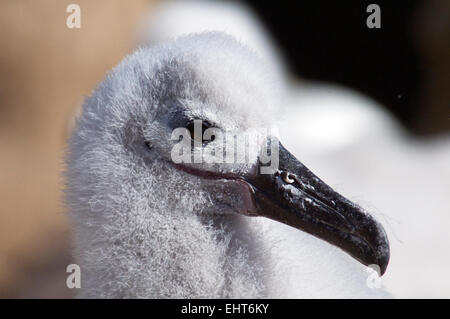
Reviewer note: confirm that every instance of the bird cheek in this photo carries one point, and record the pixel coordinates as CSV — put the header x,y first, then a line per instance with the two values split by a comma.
x,y
236,194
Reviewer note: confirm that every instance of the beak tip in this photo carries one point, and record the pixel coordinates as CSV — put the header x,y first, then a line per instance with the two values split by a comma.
x,y
384,261
383,255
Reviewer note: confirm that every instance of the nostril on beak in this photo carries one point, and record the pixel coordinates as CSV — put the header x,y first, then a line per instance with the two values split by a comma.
x,y
287,178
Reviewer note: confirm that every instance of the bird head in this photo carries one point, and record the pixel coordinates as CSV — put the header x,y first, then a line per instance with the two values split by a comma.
x,y
187,125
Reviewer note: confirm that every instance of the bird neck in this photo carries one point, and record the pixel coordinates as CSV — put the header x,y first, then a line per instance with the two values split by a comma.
x,y
178,255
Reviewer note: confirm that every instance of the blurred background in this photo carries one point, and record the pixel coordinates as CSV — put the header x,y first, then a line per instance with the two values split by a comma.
x,y
46,70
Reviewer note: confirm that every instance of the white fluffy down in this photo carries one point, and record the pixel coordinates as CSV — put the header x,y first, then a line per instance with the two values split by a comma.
x,y
144,229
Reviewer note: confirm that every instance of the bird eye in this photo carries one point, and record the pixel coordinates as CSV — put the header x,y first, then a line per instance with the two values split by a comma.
x,y
148,144
205,126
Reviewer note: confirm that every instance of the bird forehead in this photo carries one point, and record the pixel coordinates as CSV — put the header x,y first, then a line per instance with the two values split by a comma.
x,y
212,78
231,99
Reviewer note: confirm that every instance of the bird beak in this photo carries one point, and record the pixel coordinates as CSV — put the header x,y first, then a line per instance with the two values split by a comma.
x,y
293,195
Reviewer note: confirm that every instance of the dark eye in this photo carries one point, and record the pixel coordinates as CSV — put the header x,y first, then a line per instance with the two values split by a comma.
x,y
148,144
205,126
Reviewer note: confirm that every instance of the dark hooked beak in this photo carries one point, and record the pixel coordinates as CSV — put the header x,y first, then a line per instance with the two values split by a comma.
x,y
293,195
